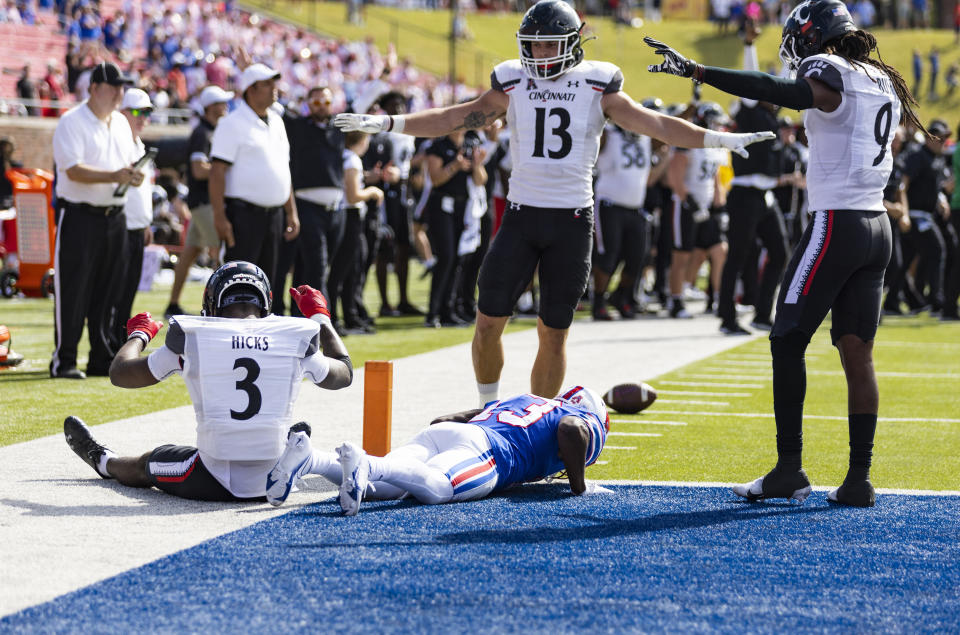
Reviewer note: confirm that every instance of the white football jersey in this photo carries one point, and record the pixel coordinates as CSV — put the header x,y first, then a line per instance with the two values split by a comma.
x,y
244,376
850,156
403,149
700,179
555,130
623,168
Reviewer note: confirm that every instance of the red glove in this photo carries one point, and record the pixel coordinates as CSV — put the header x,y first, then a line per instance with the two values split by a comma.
x,y
311,303
143,327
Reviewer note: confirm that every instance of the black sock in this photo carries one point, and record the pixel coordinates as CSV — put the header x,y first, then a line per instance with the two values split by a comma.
x,y
789,391
862,429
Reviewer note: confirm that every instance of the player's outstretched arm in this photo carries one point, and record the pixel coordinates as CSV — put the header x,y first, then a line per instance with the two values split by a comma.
x,y
129,369
573,439
313,305
435,122
458,417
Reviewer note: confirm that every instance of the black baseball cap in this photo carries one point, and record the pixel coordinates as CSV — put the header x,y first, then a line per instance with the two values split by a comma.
x,y
109,73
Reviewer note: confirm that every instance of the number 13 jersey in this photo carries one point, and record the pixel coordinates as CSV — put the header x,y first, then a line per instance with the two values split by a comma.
x,y
555,128
244,376
850,155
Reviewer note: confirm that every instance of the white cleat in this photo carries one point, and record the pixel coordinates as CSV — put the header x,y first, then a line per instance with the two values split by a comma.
x,y
289,468
356,476
750,491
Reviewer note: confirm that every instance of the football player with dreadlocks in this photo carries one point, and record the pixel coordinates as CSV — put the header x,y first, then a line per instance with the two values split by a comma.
x,y
556,104
852,105
243,367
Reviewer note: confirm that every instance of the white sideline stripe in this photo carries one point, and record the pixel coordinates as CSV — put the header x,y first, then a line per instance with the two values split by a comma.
x,y
819,488
891,373
756,356
721,373
769,415
737,362
634,434
707,384
705,394
601,462
726,372
883,342
619,447
653,423
694,401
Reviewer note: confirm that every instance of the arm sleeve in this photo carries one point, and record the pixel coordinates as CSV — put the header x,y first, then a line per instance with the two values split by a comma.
x,y
225,144
754,85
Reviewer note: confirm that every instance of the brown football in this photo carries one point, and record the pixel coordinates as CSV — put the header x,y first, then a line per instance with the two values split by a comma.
x,y
630,398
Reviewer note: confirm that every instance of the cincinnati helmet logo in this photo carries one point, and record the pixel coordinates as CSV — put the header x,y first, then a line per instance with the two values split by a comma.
x,y
802,13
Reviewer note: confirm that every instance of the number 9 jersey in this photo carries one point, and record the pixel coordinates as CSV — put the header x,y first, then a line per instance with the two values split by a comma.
x,y
555,127
850,155
244,376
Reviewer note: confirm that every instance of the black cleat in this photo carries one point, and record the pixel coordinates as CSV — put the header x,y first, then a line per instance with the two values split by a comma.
x,y
857,493
733,328
777,484
83,444
301,426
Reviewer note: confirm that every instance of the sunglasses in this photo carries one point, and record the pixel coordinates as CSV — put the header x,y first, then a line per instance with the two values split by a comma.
x,y
141,112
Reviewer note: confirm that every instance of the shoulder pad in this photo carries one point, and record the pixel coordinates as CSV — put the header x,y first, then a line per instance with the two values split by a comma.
x,y
828,69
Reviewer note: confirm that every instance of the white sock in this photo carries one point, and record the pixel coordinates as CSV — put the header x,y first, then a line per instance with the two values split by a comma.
x,y
102,464
488,392
326,465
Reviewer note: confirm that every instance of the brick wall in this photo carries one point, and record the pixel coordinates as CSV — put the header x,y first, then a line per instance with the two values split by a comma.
x,y
33,138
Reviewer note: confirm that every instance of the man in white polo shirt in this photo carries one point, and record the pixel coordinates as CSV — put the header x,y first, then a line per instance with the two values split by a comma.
x,y
93,150
138,209
249,184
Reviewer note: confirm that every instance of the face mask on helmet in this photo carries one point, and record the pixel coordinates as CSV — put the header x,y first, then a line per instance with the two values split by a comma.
x,y
554,23
587,399
811,25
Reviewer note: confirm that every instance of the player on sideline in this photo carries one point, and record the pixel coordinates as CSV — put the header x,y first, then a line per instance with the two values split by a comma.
x,y
556,105
243,367
463,456
852,105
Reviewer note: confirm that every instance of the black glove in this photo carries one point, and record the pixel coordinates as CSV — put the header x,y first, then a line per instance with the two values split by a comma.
x,y
673,62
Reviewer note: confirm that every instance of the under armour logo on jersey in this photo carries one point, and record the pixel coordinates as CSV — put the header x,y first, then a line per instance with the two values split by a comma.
x,y
531,85
514,205
573,83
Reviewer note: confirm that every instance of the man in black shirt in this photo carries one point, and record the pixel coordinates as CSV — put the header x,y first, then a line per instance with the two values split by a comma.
x,y
925,170
316,165
202,234
895,200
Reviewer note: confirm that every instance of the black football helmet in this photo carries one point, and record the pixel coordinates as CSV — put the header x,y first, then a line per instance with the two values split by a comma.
x,y
550,21
234,282
810,26
710,115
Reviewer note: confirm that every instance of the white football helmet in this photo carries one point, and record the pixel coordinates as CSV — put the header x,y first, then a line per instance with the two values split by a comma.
x,y
589,400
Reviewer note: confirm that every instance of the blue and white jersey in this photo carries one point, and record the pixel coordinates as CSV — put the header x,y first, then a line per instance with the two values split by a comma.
x,y
522,431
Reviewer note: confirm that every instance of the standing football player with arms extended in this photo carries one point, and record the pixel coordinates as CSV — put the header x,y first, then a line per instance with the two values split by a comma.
x,y
852,105
556,105
243,367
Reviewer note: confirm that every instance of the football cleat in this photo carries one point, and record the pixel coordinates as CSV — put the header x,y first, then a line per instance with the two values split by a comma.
x,y
356,475
289,468
776,484
854,493
83,444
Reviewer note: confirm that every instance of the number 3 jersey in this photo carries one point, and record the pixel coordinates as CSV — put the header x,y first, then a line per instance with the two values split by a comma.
x,y
522,432
850,155
555,128
244,376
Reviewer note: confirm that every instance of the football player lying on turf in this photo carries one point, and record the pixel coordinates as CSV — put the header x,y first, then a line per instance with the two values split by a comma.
x,y
243,367
462,456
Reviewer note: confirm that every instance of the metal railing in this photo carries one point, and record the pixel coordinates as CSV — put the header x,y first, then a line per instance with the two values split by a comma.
x,y
17,107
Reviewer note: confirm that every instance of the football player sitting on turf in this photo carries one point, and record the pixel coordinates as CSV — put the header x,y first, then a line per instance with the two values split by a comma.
x,y
243,367
462,456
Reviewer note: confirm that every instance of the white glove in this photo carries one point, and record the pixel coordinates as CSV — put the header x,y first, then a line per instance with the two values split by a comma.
x,y
593,488
735,142
373,124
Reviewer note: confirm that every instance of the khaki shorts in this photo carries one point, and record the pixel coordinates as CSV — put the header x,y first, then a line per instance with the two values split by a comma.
x,y
202,233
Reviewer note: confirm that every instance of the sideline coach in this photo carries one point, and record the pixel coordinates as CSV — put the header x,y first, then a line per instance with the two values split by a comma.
x,y
93,149
249,184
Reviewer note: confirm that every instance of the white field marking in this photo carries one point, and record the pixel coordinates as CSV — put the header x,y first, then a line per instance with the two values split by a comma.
x,y
737,362
699,393
769,415
891,373
620,447
600,462
652,423
694,401
819,488
724,372
633,434
882,342
708,384
755,356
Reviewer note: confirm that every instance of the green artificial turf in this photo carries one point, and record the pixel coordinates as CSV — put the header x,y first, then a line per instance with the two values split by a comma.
x,y
915,453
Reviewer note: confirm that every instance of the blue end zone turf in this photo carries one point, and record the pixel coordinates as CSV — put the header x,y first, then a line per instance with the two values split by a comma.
x,y
540,560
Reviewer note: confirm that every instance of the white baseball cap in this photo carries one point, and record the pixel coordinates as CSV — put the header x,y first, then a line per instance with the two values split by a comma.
x,y
214,95
256,73
135,99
